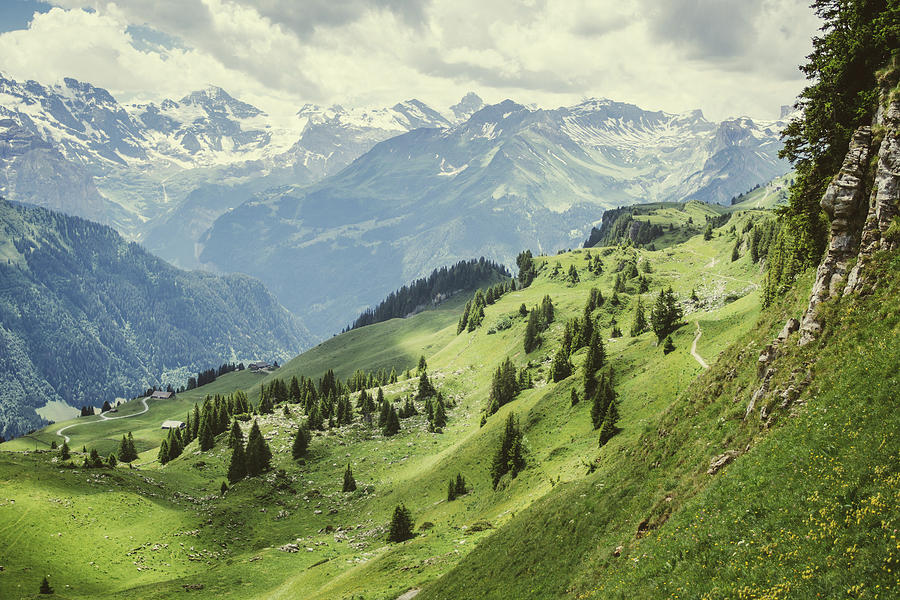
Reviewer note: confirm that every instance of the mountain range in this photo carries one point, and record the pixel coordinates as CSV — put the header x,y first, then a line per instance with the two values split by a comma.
x,y
339,193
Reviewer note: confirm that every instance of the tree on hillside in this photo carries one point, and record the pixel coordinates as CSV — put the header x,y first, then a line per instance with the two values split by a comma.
x,y
301,442
509,457
423,365
640,324
45,587
392,424
127,452
532,338
610,427
504,386
65,453
669,346
604,395
237,468
560,368
665,317
163,455
527,270
349,483
707,235
235,436
426,389
401,528
259,457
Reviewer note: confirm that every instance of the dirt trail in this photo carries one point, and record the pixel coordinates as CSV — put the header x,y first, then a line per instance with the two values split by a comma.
x,y
694,348
103,417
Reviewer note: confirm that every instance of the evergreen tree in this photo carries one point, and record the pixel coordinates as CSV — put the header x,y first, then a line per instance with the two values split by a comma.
x,y
111,460
401,528
349,482
532,339
460,485
707,235
163,455
669,346
45,588
509,457
666,315
392,424
560,368
503,386
53,445
736,250
301,442
423,365
440,416
609,428
426,389
259,457
451,491
640,324
65,453
237,468
206,434
527,271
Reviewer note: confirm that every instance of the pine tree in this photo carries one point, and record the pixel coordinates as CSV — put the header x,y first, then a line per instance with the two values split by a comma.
x,y
349,482
560,368
423,365
163,455
235,436
707,235
426,389
666,315
65,453
440,416
609,428
259,457
451,491
401,525
640,320
301,442
206,434
736,250
45,587
532,339
237,468
669,345
392,424
509,457
460,485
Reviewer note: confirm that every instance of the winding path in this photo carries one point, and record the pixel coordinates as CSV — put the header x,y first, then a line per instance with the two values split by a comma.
x,y
103,417
694,348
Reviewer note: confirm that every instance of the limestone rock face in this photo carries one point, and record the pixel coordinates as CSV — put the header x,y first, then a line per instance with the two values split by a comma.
x,y
844,202
883,201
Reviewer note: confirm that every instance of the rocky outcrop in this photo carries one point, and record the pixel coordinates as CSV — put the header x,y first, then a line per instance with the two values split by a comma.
x,y
883,207
844,202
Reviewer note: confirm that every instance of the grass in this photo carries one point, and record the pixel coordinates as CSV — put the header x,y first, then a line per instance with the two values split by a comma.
x,y
563,523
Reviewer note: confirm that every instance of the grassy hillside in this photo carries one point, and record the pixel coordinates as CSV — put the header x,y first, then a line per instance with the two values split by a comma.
x,y
564,524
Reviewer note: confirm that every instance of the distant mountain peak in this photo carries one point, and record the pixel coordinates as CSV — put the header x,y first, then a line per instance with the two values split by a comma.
x,y
467,106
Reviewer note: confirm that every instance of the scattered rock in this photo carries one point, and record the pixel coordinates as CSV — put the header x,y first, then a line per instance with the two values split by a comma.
x,y
290,548
716,463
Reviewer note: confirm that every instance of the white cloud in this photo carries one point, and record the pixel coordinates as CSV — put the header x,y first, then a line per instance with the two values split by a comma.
x,y
727,57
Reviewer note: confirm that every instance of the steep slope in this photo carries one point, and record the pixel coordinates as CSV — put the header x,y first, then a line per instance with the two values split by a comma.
x,y
507,178
413,467
86,317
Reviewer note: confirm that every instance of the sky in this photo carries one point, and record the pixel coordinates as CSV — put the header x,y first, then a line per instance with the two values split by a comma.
x,y
726,57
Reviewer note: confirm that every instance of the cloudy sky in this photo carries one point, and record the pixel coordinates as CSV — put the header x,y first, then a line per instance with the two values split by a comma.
x,y
727,57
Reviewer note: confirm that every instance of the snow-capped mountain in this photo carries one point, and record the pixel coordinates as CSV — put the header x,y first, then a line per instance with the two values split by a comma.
x,y
141,167
507,178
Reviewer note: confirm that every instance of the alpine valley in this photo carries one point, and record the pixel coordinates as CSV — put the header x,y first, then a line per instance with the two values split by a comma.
x,y
490,352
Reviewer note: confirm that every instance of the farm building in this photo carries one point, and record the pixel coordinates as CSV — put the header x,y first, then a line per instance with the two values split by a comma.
x,y
172,425
158,395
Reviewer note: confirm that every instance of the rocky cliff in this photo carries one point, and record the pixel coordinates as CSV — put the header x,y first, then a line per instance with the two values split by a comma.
x,y
858,228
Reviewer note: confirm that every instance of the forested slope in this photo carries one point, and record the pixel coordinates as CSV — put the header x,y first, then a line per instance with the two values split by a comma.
x,y
86,317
